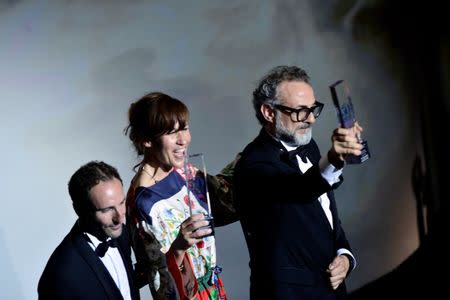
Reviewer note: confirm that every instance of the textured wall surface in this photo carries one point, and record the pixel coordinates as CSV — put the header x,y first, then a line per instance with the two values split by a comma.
x,y
70,69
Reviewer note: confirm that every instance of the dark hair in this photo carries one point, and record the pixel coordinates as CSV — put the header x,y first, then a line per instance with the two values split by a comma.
x,y
266,92
152,116
84,179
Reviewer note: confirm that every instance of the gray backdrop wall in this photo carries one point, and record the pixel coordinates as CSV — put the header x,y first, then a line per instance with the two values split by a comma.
x,y
70,69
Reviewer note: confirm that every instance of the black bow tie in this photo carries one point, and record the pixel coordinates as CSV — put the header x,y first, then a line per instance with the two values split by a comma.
x,y
301,151
103,247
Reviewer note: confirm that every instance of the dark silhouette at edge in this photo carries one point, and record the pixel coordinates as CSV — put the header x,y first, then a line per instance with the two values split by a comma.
x,y
416,40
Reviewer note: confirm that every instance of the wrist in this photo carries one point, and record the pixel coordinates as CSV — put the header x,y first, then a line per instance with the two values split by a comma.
x,y
177,254
351,263
181,266
336,160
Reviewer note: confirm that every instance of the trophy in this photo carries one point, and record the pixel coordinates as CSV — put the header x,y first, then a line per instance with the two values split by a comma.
x,y
197,188
346,114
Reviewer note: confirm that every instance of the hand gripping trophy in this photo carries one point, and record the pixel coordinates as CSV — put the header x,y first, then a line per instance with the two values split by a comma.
x,y
197,188
340,93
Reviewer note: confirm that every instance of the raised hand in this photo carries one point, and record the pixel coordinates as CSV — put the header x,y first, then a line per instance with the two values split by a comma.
x,y
345,141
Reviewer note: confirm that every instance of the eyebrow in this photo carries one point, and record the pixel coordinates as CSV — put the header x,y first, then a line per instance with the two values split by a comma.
x,y
109,207
300,106
305,106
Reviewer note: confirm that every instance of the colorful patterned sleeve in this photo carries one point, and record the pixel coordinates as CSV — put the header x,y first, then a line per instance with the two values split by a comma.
x,y
183,275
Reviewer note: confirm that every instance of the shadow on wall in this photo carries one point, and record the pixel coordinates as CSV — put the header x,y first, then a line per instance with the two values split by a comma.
x,y
11,288
419,276
415,39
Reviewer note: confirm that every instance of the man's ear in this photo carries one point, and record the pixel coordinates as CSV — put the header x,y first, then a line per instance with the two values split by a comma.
x,y
268,113
147,144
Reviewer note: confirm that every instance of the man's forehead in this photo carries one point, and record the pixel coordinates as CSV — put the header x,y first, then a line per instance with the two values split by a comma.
x,y
296,93
110,191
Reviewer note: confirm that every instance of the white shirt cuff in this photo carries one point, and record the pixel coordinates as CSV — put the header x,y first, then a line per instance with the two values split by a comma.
x,y
328,171
345,251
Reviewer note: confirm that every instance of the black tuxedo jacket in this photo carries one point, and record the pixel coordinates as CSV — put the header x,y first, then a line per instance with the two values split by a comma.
x,y
74,271
289,238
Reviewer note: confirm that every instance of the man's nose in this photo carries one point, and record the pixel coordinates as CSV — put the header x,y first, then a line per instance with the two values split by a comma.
x,y
119,215
310,118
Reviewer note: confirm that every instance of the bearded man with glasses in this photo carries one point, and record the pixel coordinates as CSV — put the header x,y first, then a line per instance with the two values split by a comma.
x,y
284,194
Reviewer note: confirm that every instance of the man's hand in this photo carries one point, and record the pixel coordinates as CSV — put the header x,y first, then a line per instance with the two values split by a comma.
x,y
338,270
344,141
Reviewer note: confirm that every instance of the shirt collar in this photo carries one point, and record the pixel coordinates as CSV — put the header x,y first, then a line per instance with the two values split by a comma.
x,y
94,240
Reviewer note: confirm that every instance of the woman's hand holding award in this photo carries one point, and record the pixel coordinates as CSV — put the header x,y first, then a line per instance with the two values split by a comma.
x,y
197,188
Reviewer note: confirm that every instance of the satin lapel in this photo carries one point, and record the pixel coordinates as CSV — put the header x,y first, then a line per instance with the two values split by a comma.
x,y
292,164
124,244
314,156
290,160
333,209
320,213
98,268
265,138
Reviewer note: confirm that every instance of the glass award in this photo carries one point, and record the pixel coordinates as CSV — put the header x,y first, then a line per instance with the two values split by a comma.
x,y
342,101
197,188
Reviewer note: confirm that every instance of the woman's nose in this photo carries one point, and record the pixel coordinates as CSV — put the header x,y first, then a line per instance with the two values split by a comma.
x,y
183,137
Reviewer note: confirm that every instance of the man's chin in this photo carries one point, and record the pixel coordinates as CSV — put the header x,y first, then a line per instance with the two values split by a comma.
x,y
114,233
304,138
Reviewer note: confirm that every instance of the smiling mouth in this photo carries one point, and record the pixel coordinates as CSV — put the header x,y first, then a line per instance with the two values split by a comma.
x,y
179,153
115,228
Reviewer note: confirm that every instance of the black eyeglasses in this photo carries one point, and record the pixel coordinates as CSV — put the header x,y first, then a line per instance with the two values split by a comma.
x,y
301,114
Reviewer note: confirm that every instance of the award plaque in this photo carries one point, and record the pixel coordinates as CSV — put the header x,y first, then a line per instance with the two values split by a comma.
x,y
340,93
197,188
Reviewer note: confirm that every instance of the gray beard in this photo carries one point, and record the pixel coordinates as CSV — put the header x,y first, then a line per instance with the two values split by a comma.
x,y
290,137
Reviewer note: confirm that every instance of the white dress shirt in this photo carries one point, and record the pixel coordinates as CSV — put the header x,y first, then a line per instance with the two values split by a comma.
x,y
115,266
331,175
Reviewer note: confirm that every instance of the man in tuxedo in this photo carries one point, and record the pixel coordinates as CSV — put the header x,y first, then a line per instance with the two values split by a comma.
x,y
94,259
283,193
